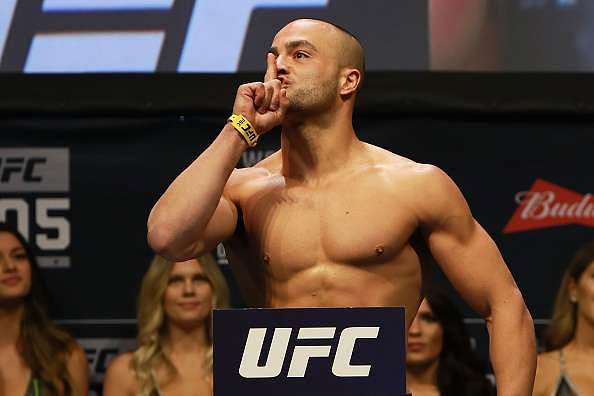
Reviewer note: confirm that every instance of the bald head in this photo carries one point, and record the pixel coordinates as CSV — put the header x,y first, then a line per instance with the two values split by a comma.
x,y
349,51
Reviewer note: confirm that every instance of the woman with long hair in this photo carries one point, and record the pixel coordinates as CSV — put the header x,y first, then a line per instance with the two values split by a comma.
x,y
174,355
439,357
36,357
567,366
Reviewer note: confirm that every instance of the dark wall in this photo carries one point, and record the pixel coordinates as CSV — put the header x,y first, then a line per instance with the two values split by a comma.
x,y
118,167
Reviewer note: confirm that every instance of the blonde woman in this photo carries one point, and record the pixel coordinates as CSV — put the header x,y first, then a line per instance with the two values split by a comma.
x,y
567,368
174,355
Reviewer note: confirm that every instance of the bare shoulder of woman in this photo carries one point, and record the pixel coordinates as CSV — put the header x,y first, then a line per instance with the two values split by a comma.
x,y
119,377
78,369
547,373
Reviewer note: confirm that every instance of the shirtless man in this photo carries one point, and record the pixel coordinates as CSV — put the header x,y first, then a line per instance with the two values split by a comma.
x,y
327,221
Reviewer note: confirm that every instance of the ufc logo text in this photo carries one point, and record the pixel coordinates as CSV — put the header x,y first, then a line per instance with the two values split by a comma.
x,y
341,366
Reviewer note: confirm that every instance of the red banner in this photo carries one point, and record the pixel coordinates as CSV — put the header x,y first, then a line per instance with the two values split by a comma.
x,y
548,205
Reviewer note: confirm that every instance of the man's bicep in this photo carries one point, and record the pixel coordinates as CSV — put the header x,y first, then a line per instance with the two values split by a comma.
x,y
472,262
460,245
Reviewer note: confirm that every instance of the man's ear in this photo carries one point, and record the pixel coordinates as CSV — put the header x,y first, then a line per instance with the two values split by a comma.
x,y
350,81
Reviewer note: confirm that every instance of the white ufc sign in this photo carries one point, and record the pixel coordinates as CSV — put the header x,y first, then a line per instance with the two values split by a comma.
x,y
341,367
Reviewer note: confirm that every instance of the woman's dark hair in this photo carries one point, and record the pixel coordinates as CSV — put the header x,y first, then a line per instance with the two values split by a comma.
x,y
460,372
43,346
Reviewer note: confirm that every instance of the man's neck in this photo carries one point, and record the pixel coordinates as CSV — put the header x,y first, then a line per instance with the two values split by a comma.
x,y
10,323
189,340
317,147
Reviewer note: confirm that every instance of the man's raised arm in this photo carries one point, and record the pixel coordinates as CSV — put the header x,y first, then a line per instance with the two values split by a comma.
x,y
197,211
472,262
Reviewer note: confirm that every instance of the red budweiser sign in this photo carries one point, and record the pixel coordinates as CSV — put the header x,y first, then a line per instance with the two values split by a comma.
x,y
549,205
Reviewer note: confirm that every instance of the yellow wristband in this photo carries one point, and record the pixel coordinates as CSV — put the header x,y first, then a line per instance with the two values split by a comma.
x,y
245,128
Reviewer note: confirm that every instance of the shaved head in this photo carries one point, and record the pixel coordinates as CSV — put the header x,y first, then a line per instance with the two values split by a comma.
x,y
321,64
350,52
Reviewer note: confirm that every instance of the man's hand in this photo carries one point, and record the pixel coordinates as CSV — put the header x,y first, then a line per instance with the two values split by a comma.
x,y
263,104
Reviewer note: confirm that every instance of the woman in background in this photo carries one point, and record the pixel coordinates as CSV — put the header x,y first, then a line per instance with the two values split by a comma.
x,y
36,357
174,355
567,368
439,357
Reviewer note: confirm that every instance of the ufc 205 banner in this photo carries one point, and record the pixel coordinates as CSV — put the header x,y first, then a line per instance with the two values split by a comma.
x,y
35,195
309,351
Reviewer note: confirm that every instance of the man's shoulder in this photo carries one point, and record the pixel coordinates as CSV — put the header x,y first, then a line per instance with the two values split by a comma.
x,y
426,189
403,167
253,178
263,169
271,163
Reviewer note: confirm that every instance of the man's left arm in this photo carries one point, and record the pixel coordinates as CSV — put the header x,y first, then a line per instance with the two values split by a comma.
x,y
473,264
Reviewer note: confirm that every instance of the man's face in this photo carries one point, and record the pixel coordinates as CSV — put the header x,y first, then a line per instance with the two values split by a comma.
x,y
306,60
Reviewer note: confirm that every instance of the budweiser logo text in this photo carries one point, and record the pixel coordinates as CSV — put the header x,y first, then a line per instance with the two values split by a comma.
x,y
548,205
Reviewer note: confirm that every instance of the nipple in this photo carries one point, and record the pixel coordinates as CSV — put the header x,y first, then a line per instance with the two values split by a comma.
x,y
266,258
379,250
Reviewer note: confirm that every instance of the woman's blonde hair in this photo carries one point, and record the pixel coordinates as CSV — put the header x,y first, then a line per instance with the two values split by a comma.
x,y
152,330
561,330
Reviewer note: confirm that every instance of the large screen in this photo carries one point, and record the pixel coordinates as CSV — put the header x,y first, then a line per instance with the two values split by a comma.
x,y
227,36
511,35
197,36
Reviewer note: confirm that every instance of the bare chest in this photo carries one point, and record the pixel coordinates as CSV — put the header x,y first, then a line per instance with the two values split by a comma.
x,y
294,228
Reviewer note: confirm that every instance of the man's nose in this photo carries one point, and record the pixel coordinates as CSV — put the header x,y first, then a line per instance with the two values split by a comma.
x,y
281,66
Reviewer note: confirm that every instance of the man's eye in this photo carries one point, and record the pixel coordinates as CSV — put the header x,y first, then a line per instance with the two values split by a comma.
x,y
300,55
